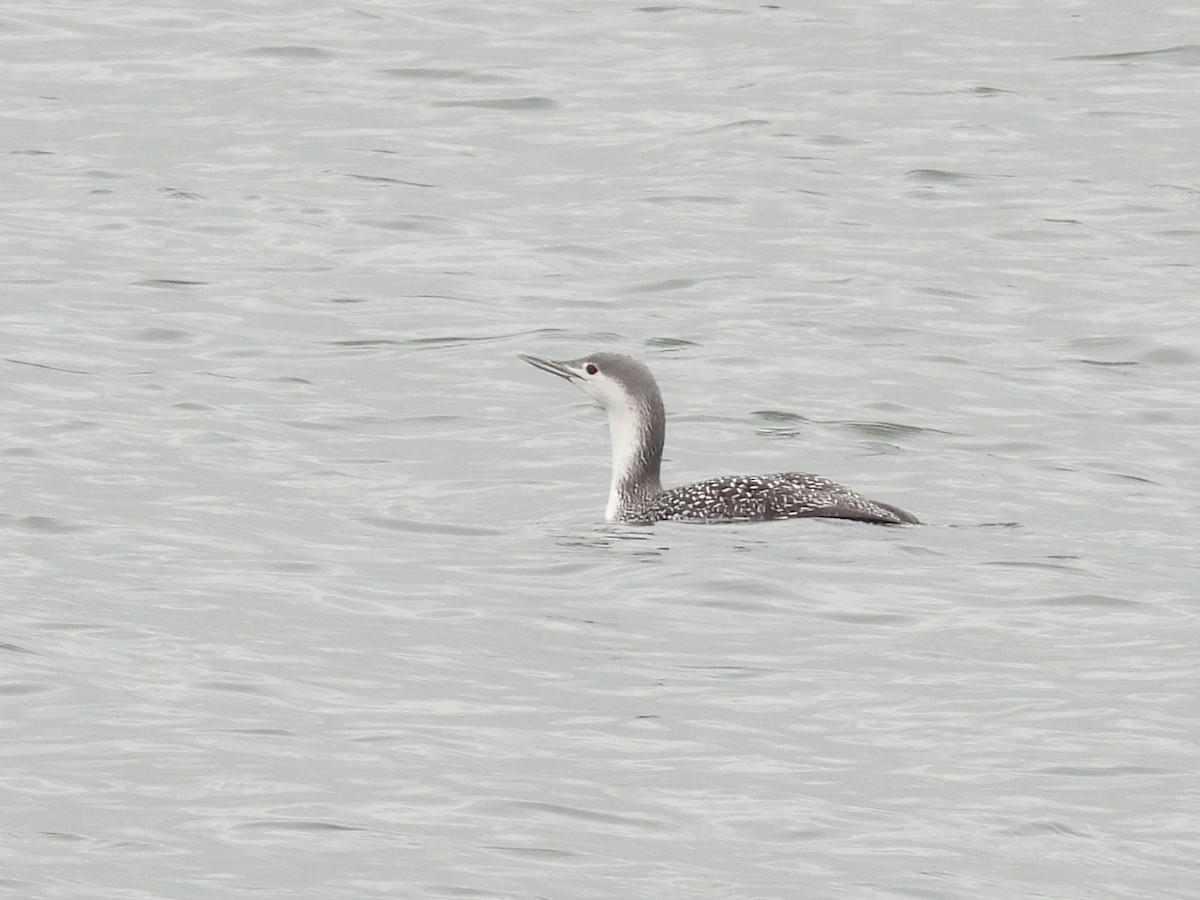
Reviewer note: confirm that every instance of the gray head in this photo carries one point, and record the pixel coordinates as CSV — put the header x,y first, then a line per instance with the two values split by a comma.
x,y
613,379
629,394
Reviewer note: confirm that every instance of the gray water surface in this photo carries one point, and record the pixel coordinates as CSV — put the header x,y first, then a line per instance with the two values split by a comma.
x,y
307,590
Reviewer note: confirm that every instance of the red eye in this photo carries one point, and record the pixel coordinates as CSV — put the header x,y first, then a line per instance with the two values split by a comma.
x,y
591,369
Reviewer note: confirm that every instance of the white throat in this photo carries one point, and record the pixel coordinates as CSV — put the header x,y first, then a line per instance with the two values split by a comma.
x,y
629,430
623,428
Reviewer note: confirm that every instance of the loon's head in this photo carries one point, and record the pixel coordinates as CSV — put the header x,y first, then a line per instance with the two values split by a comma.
x,y
616,381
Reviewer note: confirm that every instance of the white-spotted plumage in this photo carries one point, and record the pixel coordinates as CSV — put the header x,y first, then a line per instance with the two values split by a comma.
x,y
637,423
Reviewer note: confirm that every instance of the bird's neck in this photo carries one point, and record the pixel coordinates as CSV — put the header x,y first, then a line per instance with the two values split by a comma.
x,y
637,432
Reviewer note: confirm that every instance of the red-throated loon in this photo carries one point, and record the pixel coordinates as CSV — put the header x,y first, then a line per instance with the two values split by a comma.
x,y
637,423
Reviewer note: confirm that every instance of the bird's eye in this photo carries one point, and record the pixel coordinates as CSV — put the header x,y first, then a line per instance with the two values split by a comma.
x,y
591,369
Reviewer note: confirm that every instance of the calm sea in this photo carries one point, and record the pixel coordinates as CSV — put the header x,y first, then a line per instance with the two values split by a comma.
x,y
306,589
